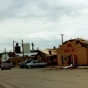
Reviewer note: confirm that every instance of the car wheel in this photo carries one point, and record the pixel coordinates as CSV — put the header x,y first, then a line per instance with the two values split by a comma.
x,y
22,67
29,67
9,68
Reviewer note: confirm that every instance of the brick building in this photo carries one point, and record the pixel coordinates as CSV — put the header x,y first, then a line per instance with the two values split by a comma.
x,y
73,51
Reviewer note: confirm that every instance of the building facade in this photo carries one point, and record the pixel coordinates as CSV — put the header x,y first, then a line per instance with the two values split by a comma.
x,y
48,55
74,51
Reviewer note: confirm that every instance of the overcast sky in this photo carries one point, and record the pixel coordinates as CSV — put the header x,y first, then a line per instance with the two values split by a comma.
x,y
42,21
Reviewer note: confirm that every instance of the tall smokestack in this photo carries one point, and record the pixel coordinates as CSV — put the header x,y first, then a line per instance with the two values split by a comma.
x,y
62,37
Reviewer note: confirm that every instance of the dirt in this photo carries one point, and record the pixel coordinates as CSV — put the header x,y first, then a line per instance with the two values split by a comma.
x,y
1,86
44,78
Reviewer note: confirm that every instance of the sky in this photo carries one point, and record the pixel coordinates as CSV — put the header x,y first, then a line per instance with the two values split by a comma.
x,y
42,22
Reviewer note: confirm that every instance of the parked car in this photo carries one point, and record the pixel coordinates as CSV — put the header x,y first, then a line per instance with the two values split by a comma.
x,y
35,63
0,65
32,63
23,64
6,66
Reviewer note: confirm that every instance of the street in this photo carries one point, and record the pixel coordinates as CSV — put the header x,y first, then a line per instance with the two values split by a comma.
x,y
44,78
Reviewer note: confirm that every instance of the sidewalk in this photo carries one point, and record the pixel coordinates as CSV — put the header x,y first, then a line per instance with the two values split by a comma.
x,y
78,67
83,67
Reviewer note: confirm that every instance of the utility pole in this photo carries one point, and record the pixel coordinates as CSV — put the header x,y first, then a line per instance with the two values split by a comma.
x,y
22,48
13,49
62,37
5,54
32,47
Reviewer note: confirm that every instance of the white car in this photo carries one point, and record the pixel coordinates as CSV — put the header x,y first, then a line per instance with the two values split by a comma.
x,y
35,63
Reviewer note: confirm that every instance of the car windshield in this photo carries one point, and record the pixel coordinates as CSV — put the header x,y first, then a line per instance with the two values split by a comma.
x,y
28,61
6,64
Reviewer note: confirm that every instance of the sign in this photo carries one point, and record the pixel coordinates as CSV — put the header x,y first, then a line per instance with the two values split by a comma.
x,y
70,49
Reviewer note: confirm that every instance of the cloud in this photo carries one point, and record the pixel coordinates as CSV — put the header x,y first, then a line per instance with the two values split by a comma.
x,y
42,21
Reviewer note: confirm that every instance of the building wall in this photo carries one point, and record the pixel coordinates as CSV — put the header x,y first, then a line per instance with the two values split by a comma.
x,y
16,60
71,48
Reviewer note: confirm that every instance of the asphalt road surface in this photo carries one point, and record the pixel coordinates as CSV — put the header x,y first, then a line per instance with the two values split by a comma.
x,y
44,78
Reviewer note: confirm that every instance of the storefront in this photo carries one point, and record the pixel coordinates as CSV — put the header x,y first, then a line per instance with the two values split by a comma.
x,y
74,51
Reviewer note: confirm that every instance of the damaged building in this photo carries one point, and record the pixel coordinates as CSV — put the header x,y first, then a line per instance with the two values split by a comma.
x,y
73,51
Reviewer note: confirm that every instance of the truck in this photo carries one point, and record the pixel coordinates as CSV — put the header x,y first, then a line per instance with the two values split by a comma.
x,y
23,64
32,63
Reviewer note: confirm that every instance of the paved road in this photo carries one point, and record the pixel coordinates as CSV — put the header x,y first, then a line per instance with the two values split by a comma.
x,y
44,78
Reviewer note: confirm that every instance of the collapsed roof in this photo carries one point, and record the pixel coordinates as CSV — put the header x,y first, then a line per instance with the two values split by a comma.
x,y
84,43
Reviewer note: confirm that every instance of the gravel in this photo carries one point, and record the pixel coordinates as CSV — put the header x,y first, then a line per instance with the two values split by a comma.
x,y
44,78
